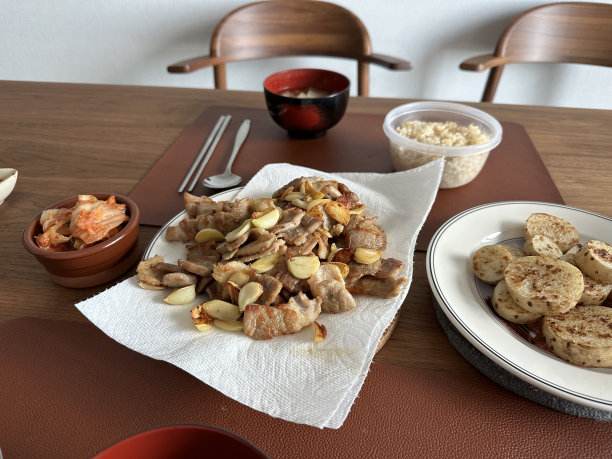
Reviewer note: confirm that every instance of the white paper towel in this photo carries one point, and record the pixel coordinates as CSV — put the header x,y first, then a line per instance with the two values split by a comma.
x,y
290,377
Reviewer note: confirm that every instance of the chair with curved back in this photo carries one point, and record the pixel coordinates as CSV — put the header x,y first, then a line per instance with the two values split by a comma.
x,y
568,32
276,28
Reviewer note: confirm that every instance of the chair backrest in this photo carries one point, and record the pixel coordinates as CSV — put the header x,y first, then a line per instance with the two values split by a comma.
x,y
570,32
277,28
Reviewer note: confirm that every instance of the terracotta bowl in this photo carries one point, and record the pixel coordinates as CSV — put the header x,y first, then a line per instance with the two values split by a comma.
x,y
185,442
95,265
306,102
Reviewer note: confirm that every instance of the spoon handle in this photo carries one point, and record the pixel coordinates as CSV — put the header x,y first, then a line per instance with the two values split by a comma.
x,y
241,135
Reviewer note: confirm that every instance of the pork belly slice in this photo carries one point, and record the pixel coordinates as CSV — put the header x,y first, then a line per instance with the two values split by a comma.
x,y
175,280
148,273
289,219
327,283
358,270
277,246
389,267
204,253
388,287
266,322
363,232
200,205
200,268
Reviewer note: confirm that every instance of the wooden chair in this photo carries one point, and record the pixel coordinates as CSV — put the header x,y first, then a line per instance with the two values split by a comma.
x,y
277,28
572,32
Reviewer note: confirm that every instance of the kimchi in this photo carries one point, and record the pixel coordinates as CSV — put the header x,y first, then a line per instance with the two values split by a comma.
x,y
89,221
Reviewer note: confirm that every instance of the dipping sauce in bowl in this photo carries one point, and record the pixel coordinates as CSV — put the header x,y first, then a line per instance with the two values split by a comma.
x,y
423,131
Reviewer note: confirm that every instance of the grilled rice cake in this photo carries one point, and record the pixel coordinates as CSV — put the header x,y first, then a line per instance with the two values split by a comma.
x,y
506,307
560,231
544,285
582,336
490,261
595,260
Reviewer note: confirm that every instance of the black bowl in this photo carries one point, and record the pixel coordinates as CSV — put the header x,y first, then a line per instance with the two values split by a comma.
x,y
306,102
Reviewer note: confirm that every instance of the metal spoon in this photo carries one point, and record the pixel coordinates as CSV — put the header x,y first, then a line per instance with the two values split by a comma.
x,y
227,179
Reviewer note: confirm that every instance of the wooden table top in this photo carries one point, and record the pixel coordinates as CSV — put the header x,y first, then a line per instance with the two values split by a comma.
x,y
64,138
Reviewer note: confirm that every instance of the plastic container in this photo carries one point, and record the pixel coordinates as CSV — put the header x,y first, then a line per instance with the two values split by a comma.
x,y
461,163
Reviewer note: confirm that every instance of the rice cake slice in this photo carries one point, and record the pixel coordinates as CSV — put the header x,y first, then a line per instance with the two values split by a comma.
x,y
506,307
582,336
544,285
559,230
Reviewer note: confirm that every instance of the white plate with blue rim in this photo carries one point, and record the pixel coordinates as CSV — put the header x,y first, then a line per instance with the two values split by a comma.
x,y
464,302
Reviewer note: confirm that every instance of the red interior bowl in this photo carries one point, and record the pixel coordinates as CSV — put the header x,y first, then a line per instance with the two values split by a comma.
x,y
93,265
185,442
306,117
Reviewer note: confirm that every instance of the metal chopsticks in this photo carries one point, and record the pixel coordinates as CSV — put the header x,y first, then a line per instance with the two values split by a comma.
x,y
205,154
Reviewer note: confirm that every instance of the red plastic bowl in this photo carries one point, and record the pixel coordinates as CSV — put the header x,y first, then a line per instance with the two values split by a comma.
x,y
185,442
306,117
95,265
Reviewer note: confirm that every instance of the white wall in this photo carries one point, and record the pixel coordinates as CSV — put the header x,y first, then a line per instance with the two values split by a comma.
x,y
132,42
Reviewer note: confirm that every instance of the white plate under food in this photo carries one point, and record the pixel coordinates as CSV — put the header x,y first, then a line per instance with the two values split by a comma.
x,y
171,251
449,270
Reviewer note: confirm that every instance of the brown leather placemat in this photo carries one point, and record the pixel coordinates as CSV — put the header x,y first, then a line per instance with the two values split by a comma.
x,y
70,391
514,170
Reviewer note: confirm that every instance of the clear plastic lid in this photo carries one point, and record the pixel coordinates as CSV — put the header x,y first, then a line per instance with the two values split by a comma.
x,y
463,115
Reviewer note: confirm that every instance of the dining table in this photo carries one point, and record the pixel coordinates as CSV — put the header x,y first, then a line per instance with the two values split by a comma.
x,y
68,390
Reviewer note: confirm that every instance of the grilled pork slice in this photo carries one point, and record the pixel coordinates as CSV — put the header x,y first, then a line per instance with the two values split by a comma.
x,y
560,231
582,336
506,307
490,261
148,273
175,280
363,232
266,322
381,287
544,285
328,284
595,260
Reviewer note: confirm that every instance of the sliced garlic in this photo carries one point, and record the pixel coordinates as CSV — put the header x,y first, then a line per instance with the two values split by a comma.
x,y
201,319
299,203
209,234
303,267
228,325
234,291
239,278
229,255
357,209
219,309
318,202
338,212
312,191
147,286
294,195
182,295
267,220
265,263
249,294
241,230
320,332
333,248
366,256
